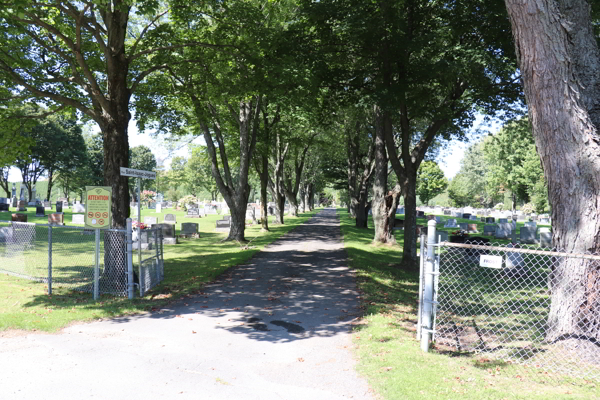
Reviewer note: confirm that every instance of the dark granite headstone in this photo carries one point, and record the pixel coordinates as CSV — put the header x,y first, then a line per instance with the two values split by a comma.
x,y
40,211
59,206
193,213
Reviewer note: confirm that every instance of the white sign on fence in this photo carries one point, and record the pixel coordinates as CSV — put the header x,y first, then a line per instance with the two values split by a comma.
x,y
490,261
138,173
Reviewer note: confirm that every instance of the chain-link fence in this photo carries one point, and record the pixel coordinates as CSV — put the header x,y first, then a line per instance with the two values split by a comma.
x,y
73,257
515,303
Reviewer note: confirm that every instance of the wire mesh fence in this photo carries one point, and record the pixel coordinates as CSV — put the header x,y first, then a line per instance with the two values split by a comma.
x,y
520,304
76,258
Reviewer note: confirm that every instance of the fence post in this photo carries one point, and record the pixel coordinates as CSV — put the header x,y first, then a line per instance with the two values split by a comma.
x,y
97,266
421,262
129,256
162,255
49,259
157,257
427,319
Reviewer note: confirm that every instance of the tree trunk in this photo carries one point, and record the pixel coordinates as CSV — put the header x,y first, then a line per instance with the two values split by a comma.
x,y
409,255
309,200
264,182
293,206
560,64
379,206
49,191
362,215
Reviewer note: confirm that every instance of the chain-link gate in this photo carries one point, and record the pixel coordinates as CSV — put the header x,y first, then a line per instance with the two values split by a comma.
x,y
87,260
514,303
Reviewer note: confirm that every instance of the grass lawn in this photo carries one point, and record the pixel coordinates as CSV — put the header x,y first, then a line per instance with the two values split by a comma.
x,y
390,357
26,305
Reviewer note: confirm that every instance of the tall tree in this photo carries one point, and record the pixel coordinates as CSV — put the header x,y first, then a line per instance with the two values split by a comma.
x,y
560,63
91,57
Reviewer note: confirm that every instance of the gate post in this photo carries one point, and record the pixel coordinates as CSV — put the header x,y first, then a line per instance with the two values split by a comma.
x,y
421,263
129,256
427,319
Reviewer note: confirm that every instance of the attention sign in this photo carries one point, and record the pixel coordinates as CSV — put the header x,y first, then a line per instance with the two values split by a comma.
x,y
98,200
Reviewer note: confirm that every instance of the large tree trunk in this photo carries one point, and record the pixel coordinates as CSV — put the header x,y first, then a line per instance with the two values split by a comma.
x,y
380,207
409,254
560,64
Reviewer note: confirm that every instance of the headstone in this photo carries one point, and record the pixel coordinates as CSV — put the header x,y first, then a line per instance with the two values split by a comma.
x,y
531,225
22,205
78,219
170,218
438,219
456,214
59,206
193,213
189,229
473,228
503,230
22,194
399,210
250,214
447,212
489,230
463,226
513,260
47,205
473,217
14,191
544,220
168,232
545,239
490,220
14,202
521,217
158,207
420,214
78,208
528,235
149,221
19,217
451,223
482,219
6,234
3,207
40,211
466,216
442,236
151,205
56,219
223,225
503,220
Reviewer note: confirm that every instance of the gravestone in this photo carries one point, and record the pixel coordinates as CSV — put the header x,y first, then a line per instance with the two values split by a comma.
x,y
250,214
442,236
189,229
193,213
466,215
528,235
515,262
544,220
168,232
456,214
531,224
490,220
78,208
430,217
19,217
56,219
149,221
142,240
438,219
170,219
78,219
59,206
47,205
503,230
502,220
420,214
521,218
545,238
472,228
159,207
463,226
40,211
482,219
14,202
489,230
3,206
399,210
447,212
223,225
22,205
151,205
473,217
451,223
6,234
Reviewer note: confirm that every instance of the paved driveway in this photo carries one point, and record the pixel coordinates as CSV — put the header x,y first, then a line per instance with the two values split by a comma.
x,y
274,328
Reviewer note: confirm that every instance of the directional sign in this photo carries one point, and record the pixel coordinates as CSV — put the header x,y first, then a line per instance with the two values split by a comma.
x,y
138,173
98,201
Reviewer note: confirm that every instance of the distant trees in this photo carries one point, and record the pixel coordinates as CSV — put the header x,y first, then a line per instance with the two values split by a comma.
x,y
430,181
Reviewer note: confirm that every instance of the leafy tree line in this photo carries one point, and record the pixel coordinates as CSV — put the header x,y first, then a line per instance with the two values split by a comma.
x,y
502,168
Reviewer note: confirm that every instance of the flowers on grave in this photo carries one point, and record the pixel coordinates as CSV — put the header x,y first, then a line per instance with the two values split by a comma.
x,y
461,233
140,225
188,200
147,196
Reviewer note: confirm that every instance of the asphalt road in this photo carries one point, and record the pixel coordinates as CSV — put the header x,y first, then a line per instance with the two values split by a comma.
x,y
277,327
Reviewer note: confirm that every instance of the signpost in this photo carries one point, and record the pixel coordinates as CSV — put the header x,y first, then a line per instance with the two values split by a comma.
x,y
139,174
98,200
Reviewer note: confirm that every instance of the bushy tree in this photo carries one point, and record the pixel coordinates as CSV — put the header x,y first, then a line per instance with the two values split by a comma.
x,y
430,181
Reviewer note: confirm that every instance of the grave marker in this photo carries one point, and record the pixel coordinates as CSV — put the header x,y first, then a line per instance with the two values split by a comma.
x,y
56,219
528,235
170,219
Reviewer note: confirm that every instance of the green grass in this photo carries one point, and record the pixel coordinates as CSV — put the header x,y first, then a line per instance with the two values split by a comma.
x,y
389,355
25,304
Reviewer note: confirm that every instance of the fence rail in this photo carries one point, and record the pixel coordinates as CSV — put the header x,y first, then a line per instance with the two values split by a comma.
x,y
526,306
74,257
